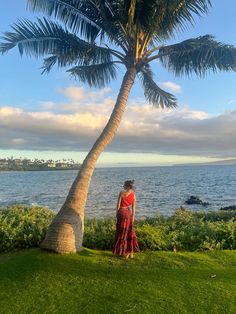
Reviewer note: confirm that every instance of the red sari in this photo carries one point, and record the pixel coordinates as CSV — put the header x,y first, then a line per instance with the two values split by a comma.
x,y
125,239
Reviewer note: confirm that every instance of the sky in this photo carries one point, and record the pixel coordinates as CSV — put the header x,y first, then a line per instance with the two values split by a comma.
x,y
52,116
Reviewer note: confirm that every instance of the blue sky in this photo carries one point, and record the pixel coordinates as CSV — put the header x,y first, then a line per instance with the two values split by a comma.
x,y
212,99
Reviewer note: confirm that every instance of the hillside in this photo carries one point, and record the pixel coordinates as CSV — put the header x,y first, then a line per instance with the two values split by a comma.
x,y
227,162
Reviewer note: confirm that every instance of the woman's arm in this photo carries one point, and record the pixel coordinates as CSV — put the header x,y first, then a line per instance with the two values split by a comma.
x,y
133,208
118,203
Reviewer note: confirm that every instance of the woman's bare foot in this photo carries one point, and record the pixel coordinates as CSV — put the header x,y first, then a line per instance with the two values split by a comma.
x,y
127,256
132,255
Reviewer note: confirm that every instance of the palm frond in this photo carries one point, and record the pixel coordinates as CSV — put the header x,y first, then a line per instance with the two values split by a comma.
x,y
110,12
48,38
88,18
199,55
49,63
98,75
71,14
162,18
153,93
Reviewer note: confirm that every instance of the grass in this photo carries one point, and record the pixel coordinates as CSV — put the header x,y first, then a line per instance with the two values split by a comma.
x,y
34,281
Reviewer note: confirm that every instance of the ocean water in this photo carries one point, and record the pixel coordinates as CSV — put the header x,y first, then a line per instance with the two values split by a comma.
x,y
158,189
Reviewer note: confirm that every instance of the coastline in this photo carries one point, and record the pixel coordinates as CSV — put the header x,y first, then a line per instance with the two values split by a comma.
x,y
45,169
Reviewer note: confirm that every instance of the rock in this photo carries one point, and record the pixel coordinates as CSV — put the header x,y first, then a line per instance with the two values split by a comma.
x,y
196,200
232,207
205,204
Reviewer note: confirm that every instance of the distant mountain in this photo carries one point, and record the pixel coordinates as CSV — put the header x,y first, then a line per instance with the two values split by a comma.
x,y
228,162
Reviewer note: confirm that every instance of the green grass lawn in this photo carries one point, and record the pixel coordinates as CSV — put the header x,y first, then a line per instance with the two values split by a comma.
x,y
34,281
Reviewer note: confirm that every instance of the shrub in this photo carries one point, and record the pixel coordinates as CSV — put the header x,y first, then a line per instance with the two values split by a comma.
x,y
99,233
23,226
221,215
203,231
153,238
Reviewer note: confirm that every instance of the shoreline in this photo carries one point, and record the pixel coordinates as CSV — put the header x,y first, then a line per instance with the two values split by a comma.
x,y
46,169
125,166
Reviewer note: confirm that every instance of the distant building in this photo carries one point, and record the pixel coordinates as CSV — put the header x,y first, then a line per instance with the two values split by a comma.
x,y
31,164
36,164
27,162
50,164
62,165
3,163
18,162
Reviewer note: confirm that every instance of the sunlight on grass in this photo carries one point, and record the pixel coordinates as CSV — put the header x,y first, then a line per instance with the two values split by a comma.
x,y
33,281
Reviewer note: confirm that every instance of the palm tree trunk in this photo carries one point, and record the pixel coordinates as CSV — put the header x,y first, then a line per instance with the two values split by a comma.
x,y
65,234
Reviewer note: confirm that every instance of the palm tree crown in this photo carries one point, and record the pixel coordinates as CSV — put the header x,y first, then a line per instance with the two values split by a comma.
x,y
99,35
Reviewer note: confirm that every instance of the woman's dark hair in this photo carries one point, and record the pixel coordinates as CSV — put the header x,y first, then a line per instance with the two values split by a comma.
x,y
129,184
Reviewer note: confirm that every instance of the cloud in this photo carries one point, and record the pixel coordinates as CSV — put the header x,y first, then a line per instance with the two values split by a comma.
x,y
77,94
48,105
181,131
171,86
18,141
79,99
9,111
232,101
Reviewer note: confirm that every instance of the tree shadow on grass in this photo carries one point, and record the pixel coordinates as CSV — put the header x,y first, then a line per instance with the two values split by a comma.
x,y
98,276
89,263
19,266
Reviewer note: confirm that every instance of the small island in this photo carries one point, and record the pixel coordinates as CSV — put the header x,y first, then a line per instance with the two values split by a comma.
x,y
24,164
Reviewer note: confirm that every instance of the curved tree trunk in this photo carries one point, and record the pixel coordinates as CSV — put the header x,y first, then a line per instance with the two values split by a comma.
x,y
65,234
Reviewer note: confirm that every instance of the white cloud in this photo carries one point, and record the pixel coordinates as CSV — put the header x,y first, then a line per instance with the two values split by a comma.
x,y
143,128
173,87
78,94
8,111
232,101
48,105
80,99
19,141
74,93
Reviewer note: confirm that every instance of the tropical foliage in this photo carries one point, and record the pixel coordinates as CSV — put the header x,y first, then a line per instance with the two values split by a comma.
x,y
24,227
184,230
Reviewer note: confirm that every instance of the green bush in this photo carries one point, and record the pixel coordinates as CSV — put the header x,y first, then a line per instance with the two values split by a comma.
x,y
185,230
153,238
99,233
203,231
221,215
23,226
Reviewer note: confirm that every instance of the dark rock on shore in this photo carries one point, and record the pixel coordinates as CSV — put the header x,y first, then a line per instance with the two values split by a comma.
x,y
232,207
194,200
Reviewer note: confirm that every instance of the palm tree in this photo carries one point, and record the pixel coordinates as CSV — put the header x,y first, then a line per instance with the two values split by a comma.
x,y
92,38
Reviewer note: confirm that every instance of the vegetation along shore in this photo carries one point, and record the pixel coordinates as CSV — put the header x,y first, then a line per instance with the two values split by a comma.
x,y
24,164
24,226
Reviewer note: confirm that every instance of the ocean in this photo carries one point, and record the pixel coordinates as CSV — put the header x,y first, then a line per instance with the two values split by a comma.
x,y
158,189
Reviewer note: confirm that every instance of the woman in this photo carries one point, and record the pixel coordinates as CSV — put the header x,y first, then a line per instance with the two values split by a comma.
x,y
125,241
